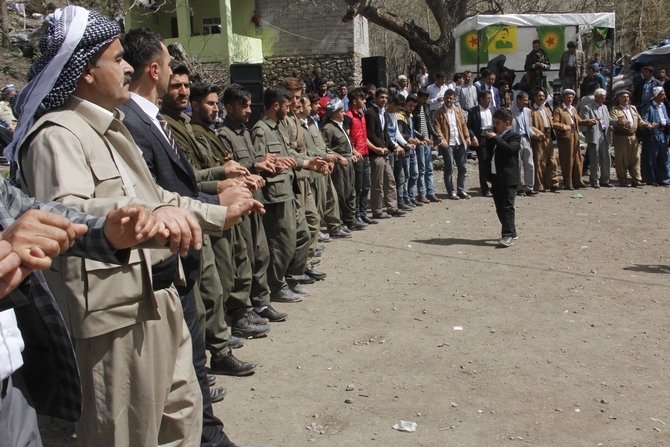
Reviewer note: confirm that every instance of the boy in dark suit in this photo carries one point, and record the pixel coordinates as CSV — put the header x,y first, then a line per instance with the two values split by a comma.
x,y
503,148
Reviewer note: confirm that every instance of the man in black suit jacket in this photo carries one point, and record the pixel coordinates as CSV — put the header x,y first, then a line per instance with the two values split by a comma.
x,y
503,147
478,130
382,181
168,164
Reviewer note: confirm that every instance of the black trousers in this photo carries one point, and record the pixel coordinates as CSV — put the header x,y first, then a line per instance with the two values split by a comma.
x,y
212,427
503,197
481,164
362,185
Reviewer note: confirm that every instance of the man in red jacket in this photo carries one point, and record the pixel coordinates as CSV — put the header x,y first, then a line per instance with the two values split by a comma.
x,y
355,124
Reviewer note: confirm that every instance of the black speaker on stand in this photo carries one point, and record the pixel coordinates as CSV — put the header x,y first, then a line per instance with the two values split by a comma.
x,y
374,70
250,76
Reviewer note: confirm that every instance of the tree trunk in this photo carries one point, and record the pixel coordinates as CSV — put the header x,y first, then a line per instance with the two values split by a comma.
x,y
5,24
436,54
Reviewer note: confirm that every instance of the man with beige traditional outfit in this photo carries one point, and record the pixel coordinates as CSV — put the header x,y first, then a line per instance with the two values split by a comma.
x,y
625,121
133,347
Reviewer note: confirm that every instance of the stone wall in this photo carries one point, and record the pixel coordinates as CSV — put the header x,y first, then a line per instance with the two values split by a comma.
x,y
335,68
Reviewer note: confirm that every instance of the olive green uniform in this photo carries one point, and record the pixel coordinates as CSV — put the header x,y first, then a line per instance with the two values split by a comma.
x,y
342,176
230,250
284,221
324,190
207,171
236,140
296,137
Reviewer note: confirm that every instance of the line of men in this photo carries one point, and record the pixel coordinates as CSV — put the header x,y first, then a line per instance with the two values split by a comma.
x,y
101,127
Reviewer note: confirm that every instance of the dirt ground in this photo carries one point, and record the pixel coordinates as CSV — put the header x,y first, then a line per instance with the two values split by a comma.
x,y
564,338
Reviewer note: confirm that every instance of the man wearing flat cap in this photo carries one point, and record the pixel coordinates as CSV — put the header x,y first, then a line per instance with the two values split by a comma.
x,y
567,122
654,158
133,347
6,113
626,120
571,70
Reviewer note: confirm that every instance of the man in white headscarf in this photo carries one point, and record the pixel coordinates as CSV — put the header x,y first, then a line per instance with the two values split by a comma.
x,y
133,347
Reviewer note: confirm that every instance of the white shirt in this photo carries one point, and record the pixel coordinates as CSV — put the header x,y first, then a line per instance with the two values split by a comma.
x,y
150,109
351,149
382,110
660,113
435,92
487,117
629,115
404,92
11,344
543,110
423,80
454,134
569,110
571,60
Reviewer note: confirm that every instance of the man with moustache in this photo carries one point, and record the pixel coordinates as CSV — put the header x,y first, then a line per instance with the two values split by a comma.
x,y
127,323
544,159
568,123
626,121
598,139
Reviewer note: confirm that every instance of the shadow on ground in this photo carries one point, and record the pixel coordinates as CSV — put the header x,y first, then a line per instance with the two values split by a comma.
x,y
648,268
458,241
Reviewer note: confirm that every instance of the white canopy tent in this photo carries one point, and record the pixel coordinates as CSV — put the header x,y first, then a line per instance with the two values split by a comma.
x,y
527,31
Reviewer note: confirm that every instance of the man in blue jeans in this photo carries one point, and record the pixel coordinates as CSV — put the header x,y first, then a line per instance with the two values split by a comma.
x,y
424,132
410,166
453,136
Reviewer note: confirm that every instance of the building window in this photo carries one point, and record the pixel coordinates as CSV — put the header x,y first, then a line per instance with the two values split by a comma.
x,y
211,25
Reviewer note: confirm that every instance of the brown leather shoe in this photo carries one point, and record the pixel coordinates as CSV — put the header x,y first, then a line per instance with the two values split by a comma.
x,y
422,200
432,198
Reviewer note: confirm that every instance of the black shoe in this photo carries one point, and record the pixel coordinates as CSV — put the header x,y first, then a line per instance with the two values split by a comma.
x,y
235,342
606,185
398,213
345,229
273,315
244,329
315,274
285,296
404,207
489,194
316,262
211,379
304,279
531,193
368,221
520,192
254,318
382,215
416,203
340,234
298,288
553,189
568,188
505,242
358,226
409,204
230,366
217,394
463,195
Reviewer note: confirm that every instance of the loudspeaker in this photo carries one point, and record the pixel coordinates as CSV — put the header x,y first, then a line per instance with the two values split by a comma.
x,y
374,70
250,76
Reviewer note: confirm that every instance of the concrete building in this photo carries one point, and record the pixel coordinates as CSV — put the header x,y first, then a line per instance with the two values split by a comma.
x,y
288,37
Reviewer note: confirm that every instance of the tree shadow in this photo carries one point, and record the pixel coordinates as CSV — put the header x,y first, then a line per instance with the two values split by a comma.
x,y
458,241
652,268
